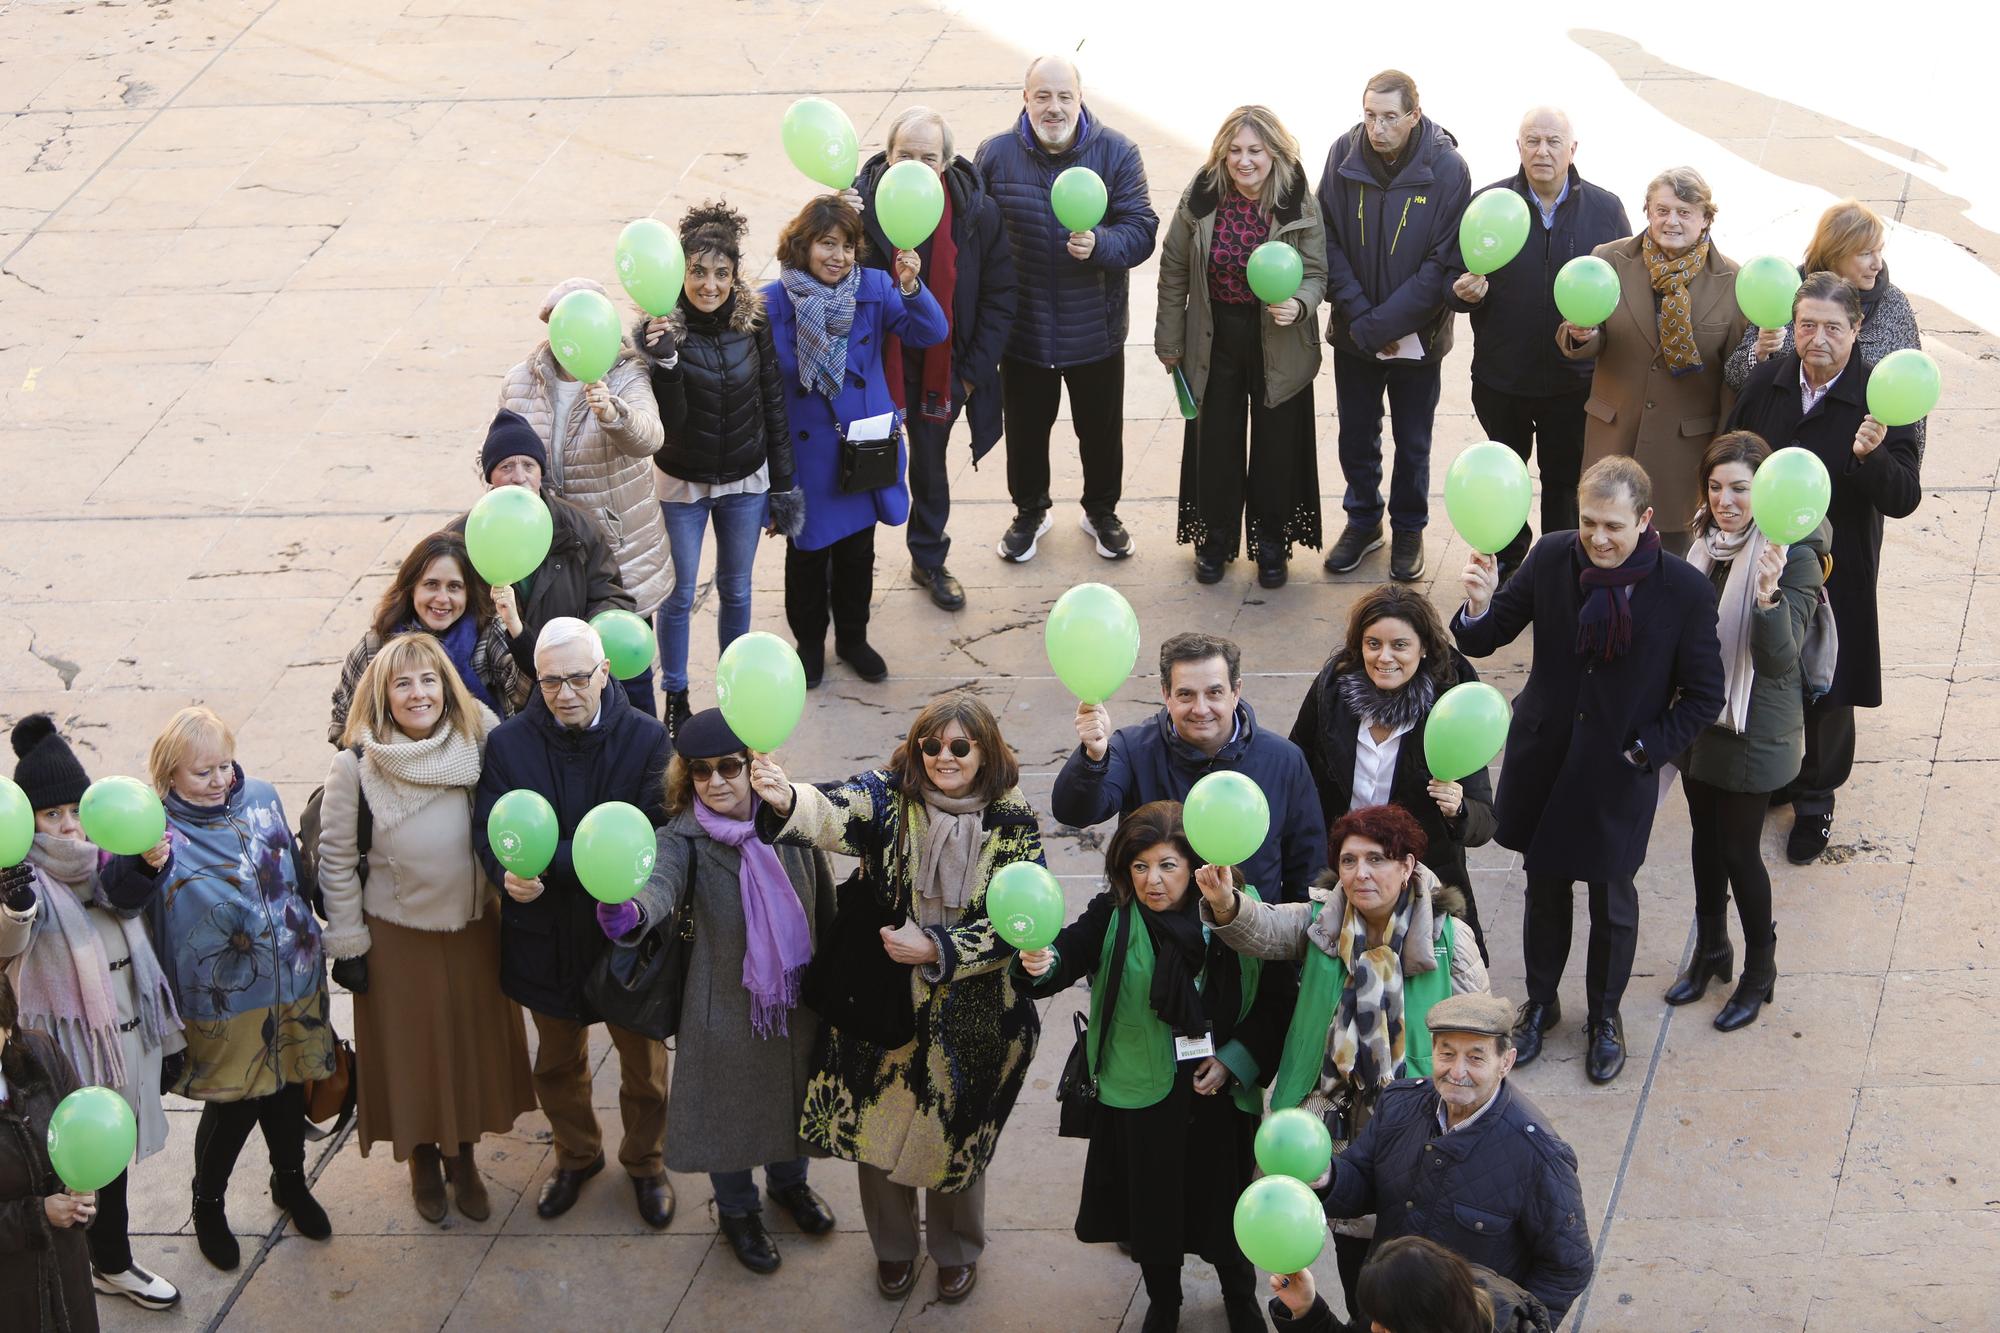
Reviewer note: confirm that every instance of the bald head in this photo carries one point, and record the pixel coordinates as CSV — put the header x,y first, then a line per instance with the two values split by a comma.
x,y
1053,95
1548,147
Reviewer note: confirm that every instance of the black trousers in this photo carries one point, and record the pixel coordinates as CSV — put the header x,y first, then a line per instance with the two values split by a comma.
x,y
1728,853
836,581
1234,1275
1350,1253
1030,397
1555,425
930,480
1829,758
109,1238
1614,939
225,1127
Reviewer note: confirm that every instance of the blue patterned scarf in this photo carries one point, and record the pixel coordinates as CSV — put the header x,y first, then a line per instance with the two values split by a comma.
x,y
461,645
825,316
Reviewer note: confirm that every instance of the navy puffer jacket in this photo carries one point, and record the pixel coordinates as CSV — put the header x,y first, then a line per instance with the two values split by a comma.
x,y
1071,312
1501,1192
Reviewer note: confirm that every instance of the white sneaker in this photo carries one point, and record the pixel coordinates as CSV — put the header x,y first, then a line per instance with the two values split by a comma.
x,y
149,1291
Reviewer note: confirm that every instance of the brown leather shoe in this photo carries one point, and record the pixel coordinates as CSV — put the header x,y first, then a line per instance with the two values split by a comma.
x,y
893,1279
427,1182
956,1283
468,1190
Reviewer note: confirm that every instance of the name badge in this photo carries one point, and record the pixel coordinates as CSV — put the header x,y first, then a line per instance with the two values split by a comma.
x,y
1194,1048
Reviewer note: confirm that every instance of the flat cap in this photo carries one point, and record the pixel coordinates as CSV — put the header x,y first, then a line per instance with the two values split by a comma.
x,y
1480,1013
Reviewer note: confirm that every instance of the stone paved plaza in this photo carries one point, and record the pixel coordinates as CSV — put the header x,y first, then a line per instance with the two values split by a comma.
x,y
262,264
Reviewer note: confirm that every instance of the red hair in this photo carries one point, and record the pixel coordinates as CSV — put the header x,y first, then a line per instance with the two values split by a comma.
x,y
1390,825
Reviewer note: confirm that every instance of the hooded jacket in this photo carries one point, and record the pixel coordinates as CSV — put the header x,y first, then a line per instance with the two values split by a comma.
x,y
722,404
1392,255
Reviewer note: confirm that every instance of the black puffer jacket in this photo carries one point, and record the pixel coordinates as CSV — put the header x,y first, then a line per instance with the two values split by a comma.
x,y
723,403
44,1270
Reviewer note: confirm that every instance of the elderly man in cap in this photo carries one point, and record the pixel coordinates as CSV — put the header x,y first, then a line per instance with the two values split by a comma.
x,y
1465,1159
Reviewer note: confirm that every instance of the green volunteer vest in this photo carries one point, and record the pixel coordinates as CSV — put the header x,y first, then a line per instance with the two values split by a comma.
x,y
1137,1068
1320,984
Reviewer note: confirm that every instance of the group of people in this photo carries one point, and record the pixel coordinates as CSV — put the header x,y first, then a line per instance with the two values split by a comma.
x,y
1341,967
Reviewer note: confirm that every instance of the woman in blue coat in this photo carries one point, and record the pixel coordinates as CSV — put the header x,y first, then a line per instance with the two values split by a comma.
x,y
829,319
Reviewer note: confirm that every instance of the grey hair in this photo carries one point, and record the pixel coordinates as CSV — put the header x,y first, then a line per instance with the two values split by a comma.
x,y
565,630
921,115
1075,74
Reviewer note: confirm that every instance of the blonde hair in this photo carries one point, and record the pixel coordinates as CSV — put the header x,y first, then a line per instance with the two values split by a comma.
x,y
1845,230
370,715
1687,185
1278,141
186,732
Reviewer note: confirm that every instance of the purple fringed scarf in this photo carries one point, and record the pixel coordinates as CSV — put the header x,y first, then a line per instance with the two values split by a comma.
x,y
780,945
1604,625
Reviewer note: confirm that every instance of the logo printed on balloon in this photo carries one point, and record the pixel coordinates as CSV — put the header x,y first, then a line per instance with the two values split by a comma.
x,y
510,843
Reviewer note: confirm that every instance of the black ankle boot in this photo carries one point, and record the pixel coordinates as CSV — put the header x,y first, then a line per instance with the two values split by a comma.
x,y
678,712
290,1192
1714,958
1756,987
852,648
212,1233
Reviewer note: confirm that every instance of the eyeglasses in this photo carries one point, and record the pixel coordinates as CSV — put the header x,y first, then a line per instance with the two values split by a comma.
x,y
932,747
553,685
701,770
1388,121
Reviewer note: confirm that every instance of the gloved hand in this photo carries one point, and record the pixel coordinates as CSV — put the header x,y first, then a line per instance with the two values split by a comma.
x,y
619,920
352,973
17,887
788,512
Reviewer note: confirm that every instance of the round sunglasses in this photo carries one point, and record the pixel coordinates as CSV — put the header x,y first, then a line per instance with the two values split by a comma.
x,y
932,747
702,769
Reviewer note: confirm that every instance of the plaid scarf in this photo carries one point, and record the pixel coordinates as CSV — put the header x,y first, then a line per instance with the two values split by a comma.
x,y
1366,1046
824,317
1671,278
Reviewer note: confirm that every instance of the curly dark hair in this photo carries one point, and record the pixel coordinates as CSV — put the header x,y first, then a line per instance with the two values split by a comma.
x,y
825,215
712,227
1396,601
1391,825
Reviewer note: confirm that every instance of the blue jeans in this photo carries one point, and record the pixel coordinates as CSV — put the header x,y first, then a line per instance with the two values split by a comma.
x,y
738,520
1412,387
736,1192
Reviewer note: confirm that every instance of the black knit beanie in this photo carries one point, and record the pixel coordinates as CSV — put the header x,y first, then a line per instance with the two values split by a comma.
x,y
48,770
510,435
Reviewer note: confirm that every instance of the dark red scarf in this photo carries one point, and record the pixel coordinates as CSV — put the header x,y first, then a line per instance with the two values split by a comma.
x,y
1604,625
941,276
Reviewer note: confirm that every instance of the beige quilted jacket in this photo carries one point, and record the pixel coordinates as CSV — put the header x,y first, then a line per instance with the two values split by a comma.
x,y
605,470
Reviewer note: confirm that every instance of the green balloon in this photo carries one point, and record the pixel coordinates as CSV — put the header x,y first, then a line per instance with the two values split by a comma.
x,y
507,534
1790,494
909,200
628,642
1764,290
1294,1143
819,139
17,824
1280,1225
523,832
1486,493
1465,731
1493,229
1079,199
1092,636
92,1135
1904,388
1586,291
651,265
584,335
1227,818
613,851
760,685
122,815
1184,396
1274,272
1025,905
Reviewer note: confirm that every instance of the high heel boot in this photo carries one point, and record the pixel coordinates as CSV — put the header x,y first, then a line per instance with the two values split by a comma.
x,y
1713,960
1755,988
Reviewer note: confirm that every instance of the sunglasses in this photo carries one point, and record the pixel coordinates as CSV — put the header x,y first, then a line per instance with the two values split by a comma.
x,y
701,769
932,747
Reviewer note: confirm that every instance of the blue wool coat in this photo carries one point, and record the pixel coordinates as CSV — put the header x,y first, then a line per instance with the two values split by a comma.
x,y
879,307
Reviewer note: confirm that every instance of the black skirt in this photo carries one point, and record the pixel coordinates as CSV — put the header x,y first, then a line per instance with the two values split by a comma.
x,y
1164,1179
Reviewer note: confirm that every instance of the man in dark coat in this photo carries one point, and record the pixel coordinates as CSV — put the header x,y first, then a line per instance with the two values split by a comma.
x,y
1392,193
579,745
1820,403
1070,327
1524,391
963,373
1626,673
1205,727
1465,1159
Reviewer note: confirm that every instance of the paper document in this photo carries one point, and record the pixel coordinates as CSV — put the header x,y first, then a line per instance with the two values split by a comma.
x,y
872,428
1409,347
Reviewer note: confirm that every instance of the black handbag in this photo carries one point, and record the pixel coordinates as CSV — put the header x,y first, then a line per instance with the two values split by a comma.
x,y
1076,1090
868,465
853,985
638,986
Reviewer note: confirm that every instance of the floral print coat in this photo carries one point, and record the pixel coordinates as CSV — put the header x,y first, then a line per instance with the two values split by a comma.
x,y
928,1113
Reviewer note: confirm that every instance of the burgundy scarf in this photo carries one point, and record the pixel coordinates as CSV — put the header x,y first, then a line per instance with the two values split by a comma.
x,y
1604,625
941,276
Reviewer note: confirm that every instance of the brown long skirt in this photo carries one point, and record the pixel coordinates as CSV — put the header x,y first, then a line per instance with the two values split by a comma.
x,y
442,1055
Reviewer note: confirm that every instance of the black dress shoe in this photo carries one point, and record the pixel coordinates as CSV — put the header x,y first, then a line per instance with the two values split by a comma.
x,y
753,1245
1531,1020
559,1191
656,1200
806,1207
1271,567
947,594
1810,836
1207,566
893,1279
956,1281
812,656
1604,1039
867,663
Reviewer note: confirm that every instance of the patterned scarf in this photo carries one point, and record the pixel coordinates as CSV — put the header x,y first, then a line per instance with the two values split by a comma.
x,y
1671,278
1365,1045
779,944
1738,550
824,316
1604,625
